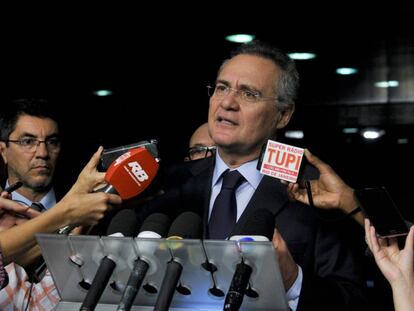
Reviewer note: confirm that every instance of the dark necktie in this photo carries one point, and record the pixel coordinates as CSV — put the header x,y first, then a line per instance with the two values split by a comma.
x,y
38,206
37,269
224,213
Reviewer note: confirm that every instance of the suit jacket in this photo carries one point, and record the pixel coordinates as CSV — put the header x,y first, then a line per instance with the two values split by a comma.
x,y
331,279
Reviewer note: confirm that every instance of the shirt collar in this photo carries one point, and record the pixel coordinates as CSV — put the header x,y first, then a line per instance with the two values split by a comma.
x,y
48,201
248,170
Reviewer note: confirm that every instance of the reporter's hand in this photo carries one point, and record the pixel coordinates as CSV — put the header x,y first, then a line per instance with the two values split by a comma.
x,y
8,211
395,264
288,266
89,178
80,205
87,208
328,192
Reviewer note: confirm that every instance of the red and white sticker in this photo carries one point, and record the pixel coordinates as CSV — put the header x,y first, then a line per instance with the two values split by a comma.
x,y
282,161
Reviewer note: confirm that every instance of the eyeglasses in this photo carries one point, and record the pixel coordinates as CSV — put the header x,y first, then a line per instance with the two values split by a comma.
x,y
30,144
201,152
251,96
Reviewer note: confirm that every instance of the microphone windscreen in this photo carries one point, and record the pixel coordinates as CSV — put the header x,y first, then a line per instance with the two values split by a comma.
x,y
124,222
261,222
157,223
131,173
188,225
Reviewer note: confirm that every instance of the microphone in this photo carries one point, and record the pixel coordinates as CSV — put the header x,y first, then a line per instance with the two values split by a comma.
x,y
188,225
259,227
129,175
124,223
155,226
238,286
109,155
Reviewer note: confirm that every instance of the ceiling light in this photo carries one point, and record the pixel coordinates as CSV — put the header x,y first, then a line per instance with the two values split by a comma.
x,y
346,71
240,38
102,93
294,134
350,130
385,84
402,141
302,56
372,134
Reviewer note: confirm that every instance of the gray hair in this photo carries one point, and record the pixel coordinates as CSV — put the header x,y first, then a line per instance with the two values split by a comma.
x,y
288,84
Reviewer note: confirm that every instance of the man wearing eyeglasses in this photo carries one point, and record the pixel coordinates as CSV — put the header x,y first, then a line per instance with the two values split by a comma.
x,y
253,97
200,145
30,148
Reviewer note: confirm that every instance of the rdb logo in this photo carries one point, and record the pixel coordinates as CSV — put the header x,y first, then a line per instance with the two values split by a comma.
x,y
137,171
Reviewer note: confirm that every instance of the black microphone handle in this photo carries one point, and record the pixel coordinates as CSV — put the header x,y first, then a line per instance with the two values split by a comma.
x,y
98,285
169,283
234,297
134,283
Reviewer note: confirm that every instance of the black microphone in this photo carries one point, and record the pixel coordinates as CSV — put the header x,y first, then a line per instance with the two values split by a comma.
x,y
124,223
186,226
259,227
155,226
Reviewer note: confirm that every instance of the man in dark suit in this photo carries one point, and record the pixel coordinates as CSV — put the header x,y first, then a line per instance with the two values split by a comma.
x,y
254,96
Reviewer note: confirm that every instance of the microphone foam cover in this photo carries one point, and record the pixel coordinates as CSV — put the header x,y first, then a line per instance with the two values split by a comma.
x,y
124,222
188,225
158,223
131,173
261,222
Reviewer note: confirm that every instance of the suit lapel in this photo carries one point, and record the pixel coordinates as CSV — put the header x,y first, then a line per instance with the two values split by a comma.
x,y
270,194
202,172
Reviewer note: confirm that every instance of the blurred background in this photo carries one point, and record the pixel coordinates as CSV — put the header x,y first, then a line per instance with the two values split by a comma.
x,y
156,61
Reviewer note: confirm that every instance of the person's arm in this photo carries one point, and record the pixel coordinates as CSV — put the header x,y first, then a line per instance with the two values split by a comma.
x,y
82,209
77,207
395,264
328,192
291,273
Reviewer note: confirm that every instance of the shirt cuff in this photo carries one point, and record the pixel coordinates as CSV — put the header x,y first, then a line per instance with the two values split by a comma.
x,y
293,293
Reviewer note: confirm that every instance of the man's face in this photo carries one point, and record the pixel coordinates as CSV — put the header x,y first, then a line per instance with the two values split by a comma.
x,y
35,167
238,126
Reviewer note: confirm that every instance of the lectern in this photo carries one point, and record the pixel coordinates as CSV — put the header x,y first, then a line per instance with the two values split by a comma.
x,y
208,268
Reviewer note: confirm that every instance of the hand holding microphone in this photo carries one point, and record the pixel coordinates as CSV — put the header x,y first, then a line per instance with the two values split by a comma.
x,y
128,176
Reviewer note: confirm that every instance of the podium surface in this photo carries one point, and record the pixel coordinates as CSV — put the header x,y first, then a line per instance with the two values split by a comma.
x,y
208,268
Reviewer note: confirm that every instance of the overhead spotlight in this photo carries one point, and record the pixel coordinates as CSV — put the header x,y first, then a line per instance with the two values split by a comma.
x,y
294,134
350,130
372,134
240,38
402,141
102,93
386,84
345,71
302,56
